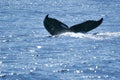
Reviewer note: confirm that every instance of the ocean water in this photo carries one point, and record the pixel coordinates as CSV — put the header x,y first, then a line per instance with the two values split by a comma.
x,y
28,53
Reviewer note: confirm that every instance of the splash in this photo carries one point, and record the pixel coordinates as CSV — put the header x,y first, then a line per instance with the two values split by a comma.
x,y
95,36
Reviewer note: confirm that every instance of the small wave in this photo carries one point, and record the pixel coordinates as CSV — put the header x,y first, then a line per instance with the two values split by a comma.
x,y
95,36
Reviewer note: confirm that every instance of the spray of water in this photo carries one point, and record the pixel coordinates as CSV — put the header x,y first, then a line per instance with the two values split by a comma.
x,y
95,36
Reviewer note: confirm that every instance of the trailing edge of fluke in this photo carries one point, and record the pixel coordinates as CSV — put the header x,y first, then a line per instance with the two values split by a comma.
x,y
55,27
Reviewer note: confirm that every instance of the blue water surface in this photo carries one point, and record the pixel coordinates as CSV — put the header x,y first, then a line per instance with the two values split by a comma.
x,y
28,53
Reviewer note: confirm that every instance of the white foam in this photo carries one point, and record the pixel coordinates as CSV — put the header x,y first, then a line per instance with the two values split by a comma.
x,y
96,36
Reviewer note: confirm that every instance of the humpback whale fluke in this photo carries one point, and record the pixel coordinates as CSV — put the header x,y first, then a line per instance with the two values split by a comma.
x,y
55,27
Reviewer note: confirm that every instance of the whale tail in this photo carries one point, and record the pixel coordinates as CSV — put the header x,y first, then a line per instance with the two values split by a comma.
x,y
86,26
55,27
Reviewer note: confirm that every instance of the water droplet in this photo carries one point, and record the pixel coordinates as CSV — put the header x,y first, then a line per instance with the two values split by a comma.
x,y
32,51
31,70
81,71
91,69
54,71
77,71
113,51
106,76
96,67
94,57
11,73
46,65
95,71
36,63
10,35
99,77
0,62
39,47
